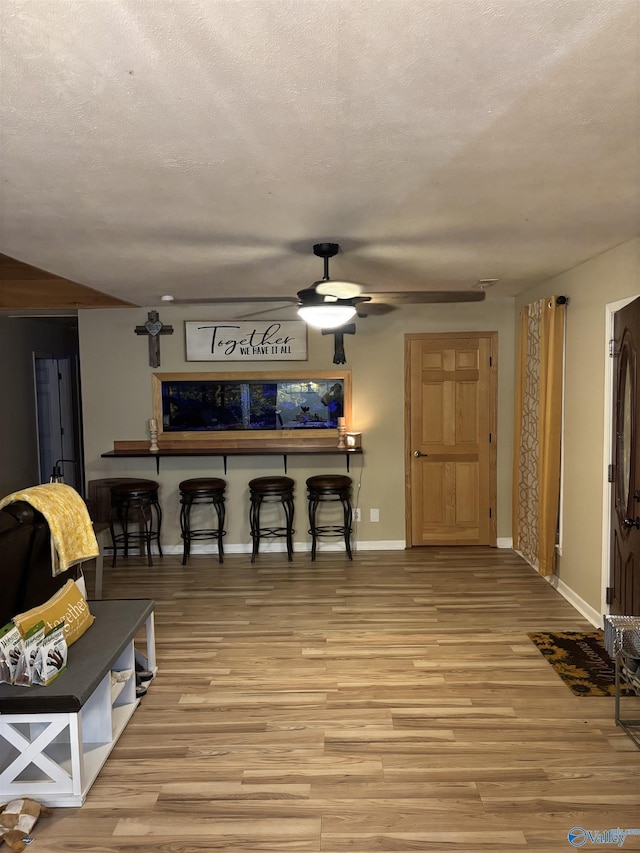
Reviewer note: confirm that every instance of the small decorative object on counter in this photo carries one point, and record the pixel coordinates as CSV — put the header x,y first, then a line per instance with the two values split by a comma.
x,y
342,432
153,433
353,440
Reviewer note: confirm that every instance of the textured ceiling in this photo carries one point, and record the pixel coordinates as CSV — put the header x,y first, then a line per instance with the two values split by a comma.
x,y
200,147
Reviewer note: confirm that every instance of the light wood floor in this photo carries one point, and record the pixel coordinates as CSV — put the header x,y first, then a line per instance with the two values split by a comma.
x,y
390,704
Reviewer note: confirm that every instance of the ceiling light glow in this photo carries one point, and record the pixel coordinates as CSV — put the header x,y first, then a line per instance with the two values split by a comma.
x,y
327,316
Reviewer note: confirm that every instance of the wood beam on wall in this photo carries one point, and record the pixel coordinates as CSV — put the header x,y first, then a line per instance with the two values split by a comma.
x,y
24,287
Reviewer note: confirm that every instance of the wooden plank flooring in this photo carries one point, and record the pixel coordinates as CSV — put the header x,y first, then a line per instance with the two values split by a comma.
x,y
390,704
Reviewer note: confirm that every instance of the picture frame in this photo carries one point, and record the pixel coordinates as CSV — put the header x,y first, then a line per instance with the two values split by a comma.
x,y
240,407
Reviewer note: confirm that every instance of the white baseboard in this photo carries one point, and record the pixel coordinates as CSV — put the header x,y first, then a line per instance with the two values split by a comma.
x,y
272,547
589,613
280,548
381,545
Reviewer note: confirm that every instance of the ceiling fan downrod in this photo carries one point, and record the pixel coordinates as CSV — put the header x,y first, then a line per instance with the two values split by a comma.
x,y
326,251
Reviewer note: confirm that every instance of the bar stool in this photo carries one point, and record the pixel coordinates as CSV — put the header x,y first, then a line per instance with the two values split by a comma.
x,y
330,487
201,490
134,502
263,489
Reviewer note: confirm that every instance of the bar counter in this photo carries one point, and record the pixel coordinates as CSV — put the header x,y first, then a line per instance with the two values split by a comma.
x,y
143,452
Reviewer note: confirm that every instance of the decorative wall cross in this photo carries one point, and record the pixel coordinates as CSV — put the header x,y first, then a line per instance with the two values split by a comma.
x,y
154,328
339,356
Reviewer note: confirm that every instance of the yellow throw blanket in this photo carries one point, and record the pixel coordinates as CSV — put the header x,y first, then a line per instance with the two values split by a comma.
x,y
72,538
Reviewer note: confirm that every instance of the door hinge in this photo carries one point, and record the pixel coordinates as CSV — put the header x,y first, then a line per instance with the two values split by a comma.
x,y
609,595
613,352
610,474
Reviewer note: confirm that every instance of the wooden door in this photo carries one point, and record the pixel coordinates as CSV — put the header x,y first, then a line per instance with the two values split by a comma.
x,y
450,394
624,581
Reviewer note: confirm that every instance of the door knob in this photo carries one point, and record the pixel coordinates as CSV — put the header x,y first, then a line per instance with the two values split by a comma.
x,y
417,453
632,522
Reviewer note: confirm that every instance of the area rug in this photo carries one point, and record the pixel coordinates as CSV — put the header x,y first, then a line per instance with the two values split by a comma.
x,y
581,661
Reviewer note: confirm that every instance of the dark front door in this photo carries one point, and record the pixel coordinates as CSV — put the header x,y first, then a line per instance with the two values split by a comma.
x,y
624,578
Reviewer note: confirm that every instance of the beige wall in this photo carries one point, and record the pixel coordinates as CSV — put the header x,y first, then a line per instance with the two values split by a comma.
x,y
116,389
612,276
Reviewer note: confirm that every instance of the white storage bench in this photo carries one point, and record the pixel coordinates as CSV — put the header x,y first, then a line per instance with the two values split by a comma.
x,y
55,739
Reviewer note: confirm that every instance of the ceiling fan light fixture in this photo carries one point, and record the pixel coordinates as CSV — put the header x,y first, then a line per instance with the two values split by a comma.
x,y
337,289
326,315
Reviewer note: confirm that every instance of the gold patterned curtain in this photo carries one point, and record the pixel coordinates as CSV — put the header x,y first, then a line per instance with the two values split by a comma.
x,y
538,432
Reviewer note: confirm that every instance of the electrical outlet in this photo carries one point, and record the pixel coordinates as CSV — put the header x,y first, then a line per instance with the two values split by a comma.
x,y
356,514
374,515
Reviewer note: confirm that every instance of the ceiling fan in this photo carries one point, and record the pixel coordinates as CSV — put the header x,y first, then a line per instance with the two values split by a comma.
x,y
330,303
327,303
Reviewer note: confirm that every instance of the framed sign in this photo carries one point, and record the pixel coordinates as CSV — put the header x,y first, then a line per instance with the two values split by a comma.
x,y
253,341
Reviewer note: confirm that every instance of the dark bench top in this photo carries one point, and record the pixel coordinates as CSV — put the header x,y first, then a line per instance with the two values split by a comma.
x,y
90,658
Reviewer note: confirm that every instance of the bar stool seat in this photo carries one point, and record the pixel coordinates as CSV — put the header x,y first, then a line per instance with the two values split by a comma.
x,y
263,489
134,503
201,490
330,487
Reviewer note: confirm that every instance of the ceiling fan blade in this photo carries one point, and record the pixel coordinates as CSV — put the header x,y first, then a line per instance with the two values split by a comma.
x,y
253,314
375,309
419,297
232,300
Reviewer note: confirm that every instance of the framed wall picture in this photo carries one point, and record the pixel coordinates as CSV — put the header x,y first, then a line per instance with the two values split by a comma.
x,y
242,406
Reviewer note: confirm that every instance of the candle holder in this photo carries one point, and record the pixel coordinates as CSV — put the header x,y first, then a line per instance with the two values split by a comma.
x,y
342,433
153,444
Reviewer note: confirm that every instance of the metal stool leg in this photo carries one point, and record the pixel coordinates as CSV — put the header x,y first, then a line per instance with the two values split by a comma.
x,y
158,510
123,517
254,523
113,538
287,502
348,517
146,520
313,509
219,507
185,529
